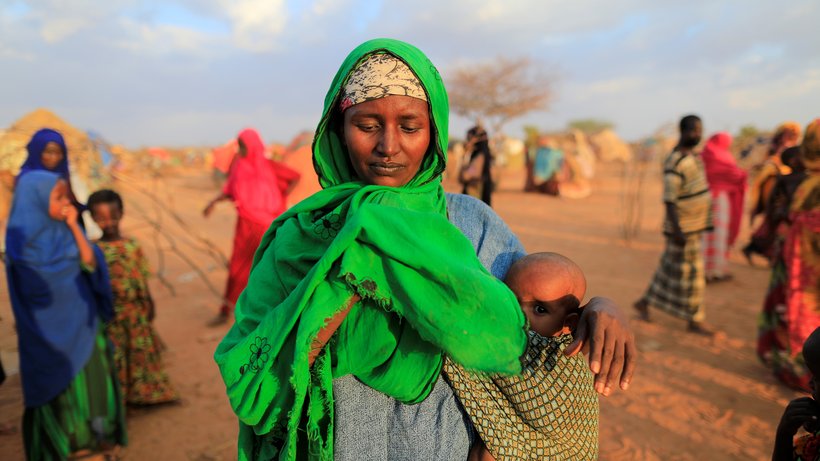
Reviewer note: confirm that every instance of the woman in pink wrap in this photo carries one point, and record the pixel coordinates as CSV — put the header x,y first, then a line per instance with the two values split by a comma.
x,y
727,183
258,188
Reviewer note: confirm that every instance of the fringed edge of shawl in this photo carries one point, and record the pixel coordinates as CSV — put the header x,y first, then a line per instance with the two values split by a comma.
x,y
368,289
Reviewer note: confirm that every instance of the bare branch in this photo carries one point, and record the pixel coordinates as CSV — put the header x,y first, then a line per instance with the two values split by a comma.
x,y
500,90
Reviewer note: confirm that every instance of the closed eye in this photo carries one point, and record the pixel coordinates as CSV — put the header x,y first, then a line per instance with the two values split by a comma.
x,y
368,127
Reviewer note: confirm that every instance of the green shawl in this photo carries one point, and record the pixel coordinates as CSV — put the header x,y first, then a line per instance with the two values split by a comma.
x,y
424,292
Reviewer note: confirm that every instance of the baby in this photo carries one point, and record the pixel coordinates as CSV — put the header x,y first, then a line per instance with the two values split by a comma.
x,y
551,409
802,412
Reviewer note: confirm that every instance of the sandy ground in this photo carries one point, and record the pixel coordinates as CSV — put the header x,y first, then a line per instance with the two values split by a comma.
x,y
691,399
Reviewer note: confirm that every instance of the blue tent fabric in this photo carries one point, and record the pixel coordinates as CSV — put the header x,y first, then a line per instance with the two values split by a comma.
x,y
548,161
102,147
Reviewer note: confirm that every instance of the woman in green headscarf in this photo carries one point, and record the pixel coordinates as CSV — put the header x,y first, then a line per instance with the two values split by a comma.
x,y
367,277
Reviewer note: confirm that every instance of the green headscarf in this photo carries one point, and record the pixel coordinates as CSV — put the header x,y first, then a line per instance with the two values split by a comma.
x,y
424,292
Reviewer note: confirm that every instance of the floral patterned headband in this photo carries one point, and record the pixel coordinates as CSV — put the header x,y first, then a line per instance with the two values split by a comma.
x,y
380,75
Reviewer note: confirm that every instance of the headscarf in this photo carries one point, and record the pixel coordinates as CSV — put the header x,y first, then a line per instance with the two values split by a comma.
x,y
34,162
253,183
724,176
807,195
423,290
786,131
379,76
35,149
55,304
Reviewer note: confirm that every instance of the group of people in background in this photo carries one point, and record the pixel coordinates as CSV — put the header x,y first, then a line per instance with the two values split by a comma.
x,y
792,217
704,199
83,310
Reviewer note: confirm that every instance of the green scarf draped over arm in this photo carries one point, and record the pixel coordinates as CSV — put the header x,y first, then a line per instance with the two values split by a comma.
x,y
424,293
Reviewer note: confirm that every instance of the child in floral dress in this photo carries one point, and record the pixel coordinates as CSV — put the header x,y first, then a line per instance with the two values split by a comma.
x,y
137,348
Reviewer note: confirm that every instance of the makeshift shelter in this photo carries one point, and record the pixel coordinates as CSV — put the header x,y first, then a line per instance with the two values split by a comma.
x,y
299,156
222,156
83,156
610,147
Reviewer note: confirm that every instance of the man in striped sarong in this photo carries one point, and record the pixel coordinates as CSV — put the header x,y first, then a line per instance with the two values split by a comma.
x,y
679,282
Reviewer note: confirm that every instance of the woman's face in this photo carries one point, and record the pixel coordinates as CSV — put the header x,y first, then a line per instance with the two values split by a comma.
x,y
242,149
387,139
52,155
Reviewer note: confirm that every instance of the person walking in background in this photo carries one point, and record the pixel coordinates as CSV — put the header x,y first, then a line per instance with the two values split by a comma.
x,y
476,174
787,135
727,182
679,282
801,255
60,295
136,350
258,188
773,347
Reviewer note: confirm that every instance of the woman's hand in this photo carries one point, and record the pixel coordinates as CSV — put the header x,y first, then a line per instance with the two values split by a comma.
x,y
611,344
209,209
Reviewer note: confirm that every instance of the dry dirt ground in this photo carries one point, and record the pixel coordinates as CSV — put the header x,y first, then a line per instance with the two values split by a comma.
x,y
691,399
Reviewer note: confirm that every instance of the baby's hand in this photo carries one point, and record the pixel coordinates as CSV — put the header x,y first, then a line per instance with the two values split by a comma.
x,y
798,412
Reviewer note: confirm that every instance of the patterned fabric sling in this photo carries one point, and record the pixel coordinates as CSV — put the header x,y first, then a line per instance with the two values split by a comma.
x,y
548,412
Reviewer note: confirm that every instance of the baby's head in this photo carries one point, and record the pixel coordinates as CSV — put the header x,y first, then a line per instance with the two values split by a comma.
x,y
811,356
106,210
549,288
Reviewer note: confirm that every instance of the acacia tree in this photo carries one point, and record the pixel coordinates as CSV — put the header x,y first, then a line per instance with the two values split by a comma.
x,y
499,91
590,125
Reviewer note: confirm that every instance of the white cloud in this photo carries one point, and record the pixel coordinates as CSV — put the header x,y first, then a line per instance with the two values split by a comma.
x,y
58,20
323,7
17,55
158,39
617,85
789,87
257,24
636,62
55,30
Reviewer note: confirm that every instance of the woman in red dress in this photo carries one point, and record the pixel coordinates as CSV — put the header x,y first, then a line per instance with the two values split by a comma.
x,y
258,188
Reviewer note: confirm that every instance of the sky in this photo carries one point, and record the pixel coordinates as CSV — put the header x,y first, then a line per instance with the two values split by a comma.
x,y
195,72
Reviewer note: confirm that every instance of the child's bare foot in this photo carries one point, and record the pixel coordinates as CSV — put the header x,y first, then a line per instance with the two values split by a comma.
x,y
699,328
643,309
